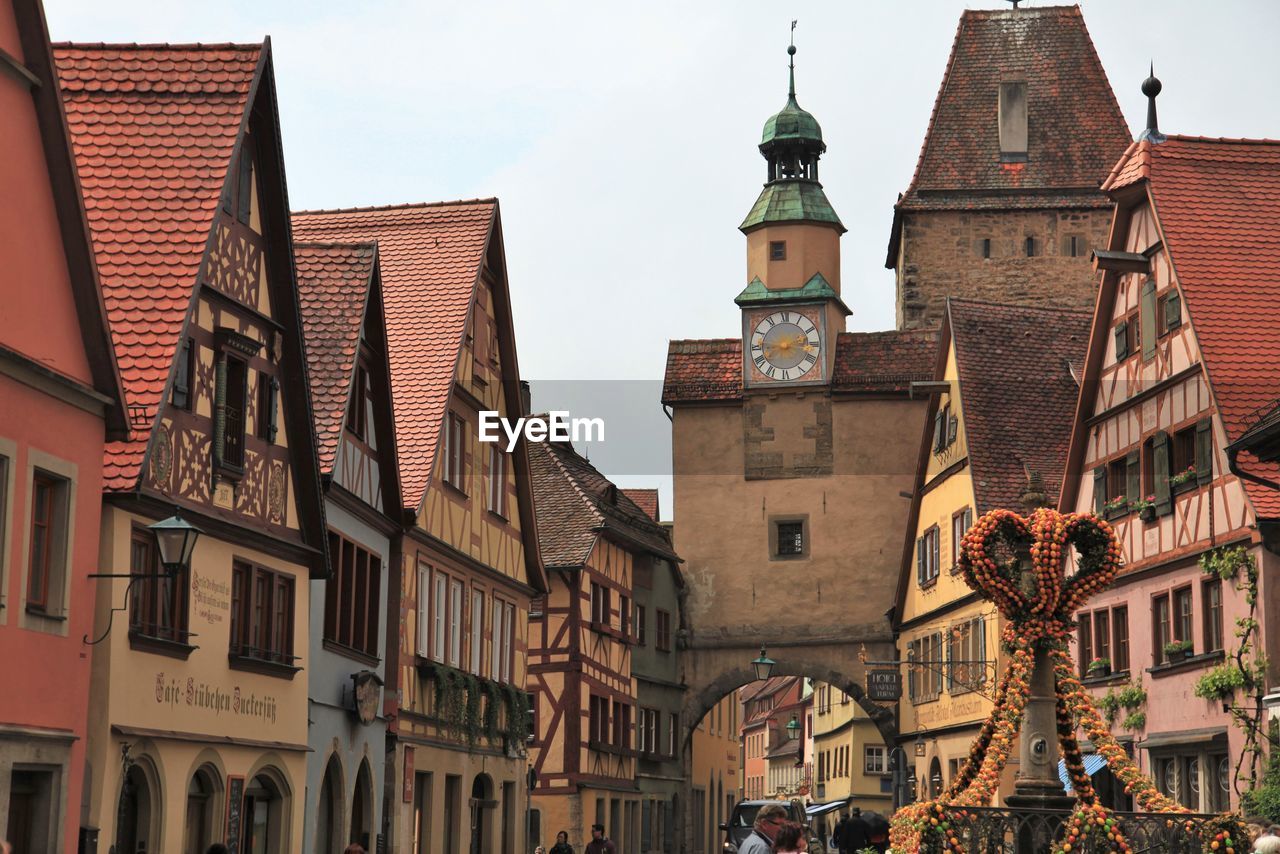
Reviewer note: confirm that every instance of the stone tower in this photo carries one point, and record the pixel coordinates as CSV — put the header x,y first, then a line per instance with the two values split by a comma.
x,y
1004,203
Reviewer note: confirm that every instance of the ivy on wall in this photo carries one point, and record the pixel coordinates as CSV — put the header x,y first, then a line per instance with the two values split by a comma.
x,y
470,705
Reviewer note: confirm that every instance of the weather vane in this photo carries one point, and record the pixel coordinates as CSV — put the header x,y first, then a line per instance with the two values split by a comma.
x,y
793,32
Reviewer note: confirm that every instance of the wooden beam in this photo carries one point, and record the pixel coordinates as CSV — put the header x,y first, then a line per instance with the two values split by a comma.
x,y
14,66
1121,262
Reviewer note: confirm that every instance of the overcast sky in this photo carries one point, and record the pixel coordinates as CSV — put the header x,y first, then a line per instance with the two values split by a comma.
x,y
621,138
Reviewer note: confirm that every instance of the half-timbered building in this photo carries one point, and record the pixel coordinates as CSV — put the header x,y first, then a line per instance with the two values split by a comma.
x,y
595,541
466,566
340,291
61,402
1001,402
199,731
1181,355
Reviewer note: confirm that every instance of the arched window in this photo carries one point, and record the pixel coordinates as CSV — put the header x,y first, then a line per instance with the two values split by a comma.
x,y
139,812
265,815
329,809
201,828
362,808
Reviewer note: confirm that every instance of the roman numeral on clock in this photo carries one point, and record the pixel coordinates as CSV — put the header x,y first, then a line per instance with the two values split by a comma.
x,y
759,360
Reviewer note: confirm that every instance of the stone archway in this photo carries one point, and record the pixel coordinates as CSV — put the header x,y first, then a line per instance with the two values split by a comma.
x,y
714,671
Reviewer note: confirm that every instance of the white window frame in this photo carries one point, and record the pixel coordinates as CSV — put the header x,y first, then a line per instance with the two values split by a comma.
x,y
495,641
497,480
440,594
508,631
873,759
455,622
424,610
477,631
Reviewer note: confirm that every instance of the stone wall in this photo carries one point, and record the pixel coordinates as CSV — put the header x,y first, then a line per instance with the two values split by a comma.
x,y
942,255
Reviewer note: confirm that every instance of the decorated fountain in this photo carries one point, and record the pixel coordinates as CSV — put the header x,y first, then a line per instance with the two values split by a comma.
x,y
1019,564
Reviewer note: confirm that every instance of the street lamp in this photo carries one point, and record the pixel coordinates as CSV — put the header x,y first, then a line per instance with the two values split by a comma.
x,y
763,665
920,744
793,728
176,539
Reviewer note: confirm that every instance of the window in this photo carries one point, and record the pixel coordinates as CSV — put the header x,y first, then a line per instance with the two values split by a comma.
x,y
1075,246
601,605
945,426
664,631
873,761
502,632
1170,311
621,724
641,619
508,639
1162,630
1117,473
158,604
924,670
1031,246
454,451
777,250
235,397
497,498
261,614
647,732
1184,450
182,376
358,403
455,622
927,557
967,654
624,614
46,560
984,247
1120,638
1084,640
673,726
1212,596
790,539
1182,613
352,596
424,610
960,525
477,631
495,641
1121,334
439,616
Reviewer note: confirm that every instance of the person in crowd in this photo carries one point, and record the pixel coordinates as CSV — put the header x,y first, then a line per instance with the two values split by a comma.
x,y
760,840
600,844
354,848
851,833
562,845
1269,842
790,839
539,850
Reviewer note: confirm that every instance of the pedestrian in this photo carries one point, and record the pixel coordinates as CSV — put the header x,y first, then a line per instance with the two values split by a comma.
x,y
760,840
600,844
853,833
1269,842
354,848
539,850
562,845
790,839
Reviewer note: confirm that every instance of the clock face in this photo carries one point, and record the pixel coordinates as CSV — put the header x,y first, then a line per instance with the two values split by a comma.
x,y
785,345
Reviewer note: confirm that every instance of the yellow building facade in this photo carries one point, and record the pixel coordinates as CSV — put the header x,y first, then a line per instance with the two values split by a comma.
x,y
850,759
716,770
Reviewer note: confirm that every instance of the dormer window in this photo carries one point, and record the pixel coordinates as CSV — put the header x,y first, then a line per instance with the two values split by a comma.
x,y
1012,119
777,250
231,399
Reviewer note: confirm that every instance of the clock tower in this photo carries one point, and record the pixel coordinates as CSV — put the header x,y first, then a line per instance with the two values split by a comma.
x,y
791,307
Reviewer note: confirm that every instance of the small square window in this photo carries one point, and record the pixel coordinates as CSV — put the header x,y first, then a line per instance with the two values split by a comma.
x,y
777,250
790,538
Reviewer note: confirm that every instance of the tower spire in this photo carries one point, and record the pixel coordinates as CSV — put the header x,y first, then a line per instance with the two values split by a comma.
x,y
791,52
1151,88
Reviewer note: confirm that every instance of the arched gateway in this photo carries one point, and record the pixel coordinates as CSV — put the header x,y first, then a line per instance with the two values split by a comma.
x,y
794,448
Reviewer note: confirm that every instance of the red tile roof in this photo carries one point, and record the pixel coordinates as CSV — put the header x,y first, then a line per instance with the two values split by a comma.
x,y
430,257
1075,127
153,128
1218,206
334,283
869,362
646,500
575,503
1017,393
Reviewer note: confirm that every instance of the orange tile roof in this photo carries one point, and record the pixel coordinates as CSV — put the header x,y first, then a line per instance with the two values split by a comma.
x,y
702,371
1076,129
1218,206
334,281
430,257
153,128
646,500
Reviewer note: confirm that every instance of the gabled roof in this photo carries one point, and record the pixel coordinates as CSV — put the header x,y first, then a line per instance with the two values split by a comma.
x,y
575,504
36,58
1017,393
646,500
710,370
1217,205
334,285
430,257
154,128
1075,129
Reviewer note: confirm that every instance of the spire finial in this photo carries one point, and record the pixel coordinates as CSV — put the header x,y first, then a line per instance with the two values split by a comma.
x,y
1151,88
791,51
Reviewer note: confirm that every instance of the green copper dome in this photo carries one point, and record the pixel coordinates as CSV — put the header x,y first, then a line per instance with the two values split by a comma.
x,y
791,124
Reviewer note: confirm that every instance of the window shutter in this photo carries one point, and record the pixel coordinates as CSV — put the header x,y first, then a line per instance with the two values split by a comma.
x,y
920,579
1173,310
1099,489
939,431
182,377
1204,450
953,424
935,542
1148,311
1122,340
1160,447
1133,476
220,410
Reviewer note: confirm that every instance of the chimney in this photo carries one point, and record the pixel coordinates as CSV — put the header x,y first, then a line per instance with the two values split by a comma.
x,y
525,398
1013,122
